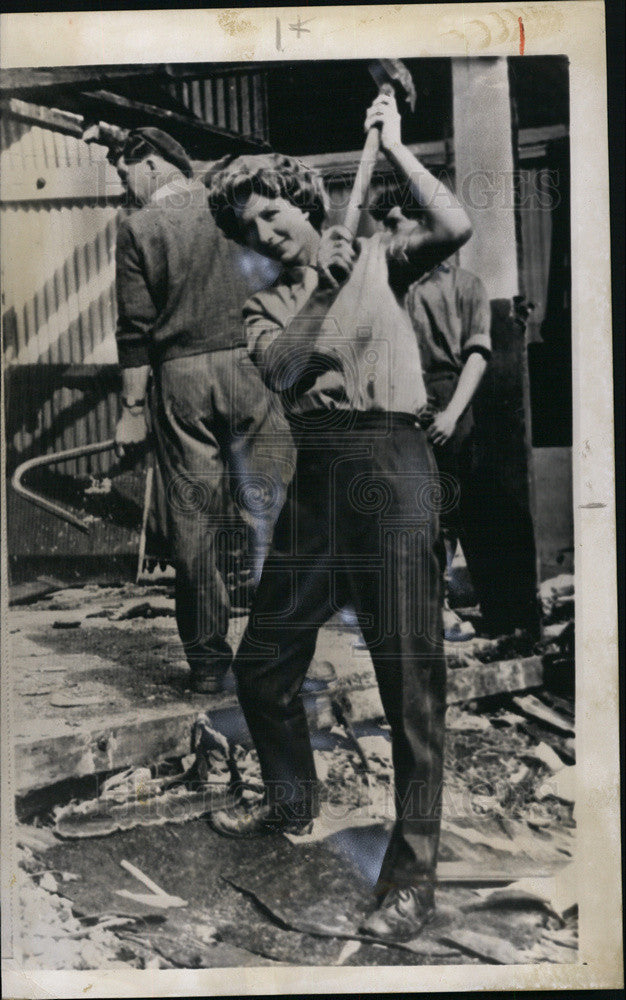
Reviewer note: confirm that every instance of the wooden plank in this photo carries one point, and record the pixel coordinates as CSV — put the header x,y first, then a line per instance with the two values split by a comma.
x,y
144,736
484,875
133,737
26,593
537,710
32,79
463,684
468,683
50,118
190,130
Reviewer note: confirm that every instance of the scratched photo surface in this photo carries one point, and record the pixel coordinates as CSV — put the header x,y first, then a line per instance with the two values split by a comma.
x,y
291,451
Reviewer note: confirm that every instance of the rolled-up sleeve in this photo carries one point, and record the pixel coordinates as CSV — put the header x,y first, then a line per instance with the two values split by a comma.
x,y
136,311
475,310
261,335
282,348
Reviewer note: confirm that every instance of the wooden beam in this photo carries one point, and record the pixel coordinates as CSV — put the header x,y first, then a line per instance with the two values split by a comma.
x,y
103,745
503,676
48,118
432,153
464,684
63,76
200,138
144,736
532,143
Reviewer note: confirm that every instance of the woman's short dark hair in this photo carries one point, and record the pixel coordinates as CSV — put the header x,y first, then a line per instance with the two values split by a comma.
x,y
269,174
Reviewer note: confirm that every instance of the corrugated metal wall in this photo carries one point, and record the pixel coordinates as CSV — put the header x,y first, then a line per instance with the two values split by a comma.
x,y
58,274
25,146
235,101
58,267
57,245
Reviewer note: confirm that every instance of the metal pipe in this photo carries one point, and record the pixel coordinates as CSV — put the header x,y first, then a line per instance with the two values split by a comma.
x,y
58,456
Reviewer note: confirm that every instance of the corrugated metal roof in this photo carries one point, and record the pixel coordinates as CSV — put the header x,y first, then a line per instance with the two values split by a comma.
x,y
234,101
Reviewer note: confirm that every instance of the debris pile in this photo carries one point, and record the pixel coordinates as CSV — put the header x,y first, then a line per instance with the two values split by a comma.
x,y
52,936
507,876
557,597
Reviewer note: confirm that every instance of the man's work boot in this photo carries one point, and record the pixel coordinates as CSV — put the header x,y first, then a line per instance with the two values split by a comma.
x,y
258,820
402,913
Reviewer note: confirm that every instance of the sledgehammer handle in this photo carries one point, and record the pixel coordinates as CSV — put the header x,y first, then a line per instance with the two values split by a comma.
x,y
364,173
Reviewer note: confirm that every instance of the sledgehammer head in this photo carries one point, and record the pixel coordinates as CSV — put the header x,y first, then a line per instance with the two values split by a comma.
x,y
393,73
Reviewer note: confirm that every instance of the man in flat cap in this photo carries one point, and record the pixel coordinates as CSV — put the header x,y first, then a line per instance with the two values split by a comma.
x,y
180,289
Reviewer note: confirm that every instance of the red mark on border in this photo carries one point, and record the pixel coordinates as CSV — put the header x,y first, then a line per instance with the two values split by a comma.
x,y
522,37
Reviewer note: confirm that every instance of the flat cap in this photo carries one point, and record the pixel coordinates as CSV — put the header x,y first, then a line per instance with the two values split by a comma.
x,y
162,144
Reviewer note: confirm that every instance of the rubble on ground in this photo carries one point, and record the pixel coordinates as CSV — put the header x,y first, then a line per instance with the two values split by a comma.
x,y
557,597
52,937
509,789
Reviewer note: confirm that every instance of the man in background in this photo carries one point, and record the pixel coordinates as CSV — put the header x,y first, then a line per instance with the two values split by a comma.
x,y
180,292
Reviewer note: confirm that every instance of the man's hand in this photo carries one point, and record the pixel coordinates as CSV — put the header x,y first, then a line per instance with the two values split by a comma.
x,y
131,429
335,256
383,114
426,414
442,428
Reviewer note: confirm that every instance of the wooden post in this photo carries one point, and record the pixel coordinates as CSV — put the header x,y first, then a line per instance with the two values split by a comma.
x,y
500,541
483,158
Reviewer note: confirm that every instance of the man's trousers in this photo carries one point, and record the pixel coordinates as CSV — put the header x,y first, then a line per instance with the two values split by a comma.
x,y
360,526
220,437
495,530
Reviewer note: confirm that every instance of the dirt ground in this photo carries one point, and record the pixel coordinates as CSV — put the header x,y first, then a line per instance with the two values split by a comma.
x,y
508,808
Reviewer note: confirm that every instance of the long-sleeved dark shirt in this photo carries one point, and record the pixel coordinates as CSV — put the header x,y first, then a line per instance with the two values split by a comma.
x,y
181,284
